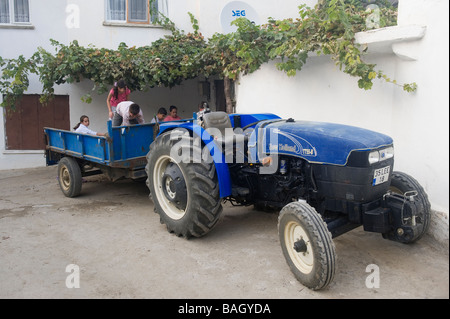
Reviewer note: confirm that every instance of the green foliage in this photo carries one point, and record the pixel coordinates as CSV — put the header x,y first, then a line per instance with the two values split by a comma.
x,y
14,80
329,28
167,62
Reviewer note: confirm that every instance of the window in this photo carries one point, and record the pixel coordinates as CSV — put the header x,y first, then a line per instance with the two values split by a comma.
x,y
14,12
134,11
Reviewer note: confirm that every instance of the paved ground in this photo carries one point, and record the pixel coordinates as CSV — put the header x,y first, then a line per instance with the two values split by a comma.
x,y
111,233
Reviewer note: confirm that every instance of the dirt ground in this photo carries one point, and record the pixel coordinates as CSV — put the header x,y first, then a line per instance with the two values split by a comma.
x,y
122,251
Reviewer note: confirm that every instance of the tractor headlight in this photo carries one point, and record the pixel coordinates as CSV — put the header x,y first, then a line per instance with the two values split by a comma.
x,y
374,157
381,155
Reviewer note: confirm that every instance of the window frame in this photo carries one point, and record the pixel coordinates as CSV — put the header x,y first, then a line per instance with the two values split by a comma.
x,y
128,20
12,15
147,11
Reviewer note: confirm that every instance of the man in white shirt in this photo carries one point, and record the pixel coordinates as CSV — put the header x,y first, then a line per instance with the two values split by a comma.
x,y
128,113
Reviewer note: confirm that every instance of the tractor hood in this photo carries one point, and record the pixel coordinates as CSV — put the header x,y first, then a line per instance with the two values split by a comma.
x,y
317,142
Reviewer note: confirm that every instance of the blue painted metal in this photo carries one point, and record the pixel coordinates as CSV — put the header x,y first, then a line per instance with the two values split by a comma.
x,y
247,119
78,145
316,142
223,173
129,142
127,146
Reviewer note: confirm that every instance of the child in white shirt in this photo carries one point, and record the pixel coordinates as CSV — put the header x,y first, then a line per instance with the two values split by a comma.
x,y
82,127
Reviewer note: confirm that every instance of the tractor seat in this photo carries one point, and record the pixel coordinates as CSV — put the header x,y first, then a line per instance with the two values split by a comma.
x,y
221,121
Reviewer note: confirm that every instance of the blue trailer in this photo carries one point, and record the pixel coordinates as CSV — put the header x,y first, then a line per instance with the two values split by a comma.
x,y
121,154
325,179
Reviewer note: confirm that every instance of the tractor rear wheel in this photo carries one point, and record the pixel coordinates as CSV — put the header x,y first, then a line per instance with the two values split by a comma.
x,y
307,245
185,192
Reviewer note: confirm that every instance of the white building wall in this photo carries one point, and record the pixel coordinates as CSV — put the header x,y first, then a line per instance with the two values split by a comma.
x,y
208,12
421,126
418,122
93,29
46,25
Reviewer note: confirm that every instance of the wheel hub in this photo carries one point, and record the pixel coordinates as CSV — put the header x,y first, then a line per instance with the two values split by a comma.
x,y
65,178
300,246
174,186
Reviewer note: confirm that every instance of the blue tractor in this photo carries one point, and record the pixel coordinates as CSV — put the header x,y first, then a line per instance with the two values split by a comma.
x,y
326,179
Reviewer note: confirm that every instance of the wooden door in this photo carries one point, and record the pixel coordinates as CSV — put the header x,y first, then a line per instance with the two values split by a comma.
x,y
24,126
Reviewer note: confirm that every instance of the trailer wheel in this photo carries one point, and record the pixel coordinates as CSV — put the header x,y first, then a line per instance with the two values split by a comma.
x,y
402,183
307,245
185,192
69,177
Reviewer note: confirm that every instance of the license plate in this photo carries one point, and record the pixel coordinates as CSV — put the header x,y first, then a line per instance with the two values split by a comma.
x,y
381,175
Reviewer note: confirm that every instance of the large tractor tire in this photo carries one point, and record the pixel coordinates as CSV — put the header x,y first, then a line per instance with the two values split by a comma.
x,y
185,192
307,245
402,183
69,177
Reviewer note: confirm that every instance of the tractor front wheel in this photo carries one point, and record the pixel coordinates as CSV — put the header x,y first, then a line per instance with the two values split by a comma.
x,y
307,245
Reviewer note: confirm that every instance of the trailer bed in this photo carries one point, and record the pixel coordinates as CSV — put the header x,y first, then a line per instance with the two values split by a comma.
x,y
122,153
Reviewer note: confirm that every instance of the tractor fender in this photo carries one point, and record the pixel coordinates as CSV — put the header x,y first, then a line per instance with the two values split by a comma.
x,y
196,131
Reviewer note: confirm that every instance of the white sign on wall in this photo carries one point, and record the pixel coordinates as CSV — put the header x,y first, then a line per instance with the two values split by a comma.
x,y
234,10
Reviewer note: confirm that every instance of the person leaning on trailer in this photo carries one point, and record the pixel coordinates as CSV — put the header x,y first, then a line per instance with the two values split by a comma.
x,y
128,113
83,128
